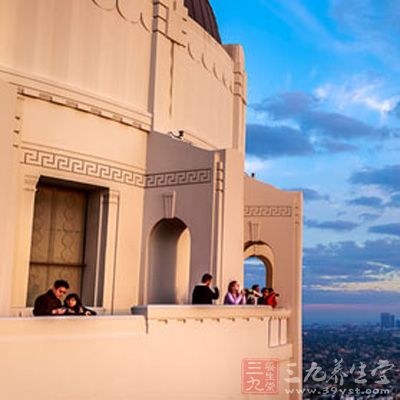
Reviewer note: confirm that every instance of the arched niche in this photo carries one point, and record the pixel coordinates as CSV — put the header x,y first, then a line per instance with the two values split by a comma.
x,y
265,254
169,263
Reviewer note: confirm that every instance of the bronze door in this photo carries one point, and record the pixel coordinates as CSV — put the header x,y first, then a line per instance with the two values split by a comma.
x,y
58,239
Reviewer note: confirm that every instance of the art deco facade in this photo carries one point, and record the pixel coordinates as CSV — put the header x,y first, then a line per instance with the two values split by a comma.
x,y
122,137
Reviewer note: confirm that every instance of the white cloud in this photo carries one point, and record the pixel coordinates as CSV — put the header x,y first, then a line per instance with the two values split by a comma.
x,y
256,164
379,265
387,282
333,277
357,91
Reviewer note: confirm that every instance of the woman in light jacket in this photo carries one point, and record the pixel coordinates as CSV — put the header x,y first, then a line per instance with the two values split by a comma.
x,y
235,296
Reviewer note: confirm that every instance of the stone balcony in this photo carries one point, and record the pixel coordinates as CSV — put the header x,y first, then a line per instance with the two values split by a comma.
x,y
275,320
158,352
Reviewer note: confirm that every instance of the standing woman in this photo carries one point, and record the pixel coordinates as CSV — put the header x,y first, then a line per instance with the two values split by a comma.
x,y
235,295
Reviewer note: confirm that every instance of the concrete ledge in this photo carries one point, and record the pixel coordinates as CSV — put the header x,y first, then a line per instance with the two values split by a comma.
x,y
28,311
179,312
46,329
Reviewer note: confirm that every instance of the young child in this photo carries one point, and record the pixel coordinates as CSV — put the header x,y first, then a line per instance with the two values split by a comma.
x,y
74,306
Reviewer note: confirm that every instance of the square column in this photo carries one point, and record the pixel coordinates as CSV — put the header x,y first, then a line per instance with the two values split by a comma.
x,y
9,132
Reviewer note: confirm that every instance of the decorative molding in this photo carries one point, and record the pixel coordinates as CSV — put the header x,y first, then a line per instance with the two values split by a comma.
x,y
30,182
81,106
219,176
240,85
33,86
170,19
268,211
297,215
131,11
209,60
239,73
255,231
111,197
178,178
81,166
206,314
97,169
169,200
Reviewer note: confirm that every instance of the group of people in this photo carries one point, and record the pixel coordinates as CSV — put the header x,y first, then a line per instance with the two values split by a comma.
x,y
204,293
50,303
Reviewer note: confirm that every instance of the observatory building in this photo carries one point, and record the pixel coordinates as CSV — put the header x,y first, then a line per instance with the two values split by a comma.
x,y
122,139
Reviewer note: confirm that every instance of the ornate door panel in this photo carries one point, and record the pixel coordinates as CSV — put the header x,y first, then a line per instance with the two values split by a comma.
x,y
58,237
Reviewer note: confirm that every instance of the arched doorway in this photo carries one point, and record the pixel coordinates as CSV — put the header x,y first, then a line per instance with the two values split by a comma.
x,y
258,264
169,263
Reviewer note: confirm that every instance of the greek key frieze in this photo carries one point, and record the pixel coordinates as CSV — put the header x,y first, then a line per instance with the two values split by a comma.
x,y
178,178
95,169
267,211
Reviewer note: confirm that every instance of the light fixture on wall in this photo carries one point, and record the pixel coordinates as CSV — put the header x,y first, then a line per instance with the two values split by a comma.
x,y
179,136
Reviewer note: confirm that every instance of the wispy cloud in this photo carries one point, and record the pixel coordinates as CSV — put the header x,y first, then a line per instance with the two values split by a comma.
x,y
369,217
367,90
349,257
274,141
338,225
296,15
312,130
371,26
311,194
386,178
367,201
256,164
386,229
383,282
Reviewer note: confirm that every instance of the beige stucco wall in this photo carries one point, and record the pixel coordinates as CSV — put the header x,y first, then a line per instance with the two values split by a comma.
x,y
62,143
274,217
88,107
8,181
202,87
116,58
91,92
80,45
194,204
168,353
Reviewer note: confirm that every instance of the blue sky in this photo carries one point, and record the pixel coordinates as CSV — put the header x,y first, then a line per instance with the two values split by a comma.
x,y
324,117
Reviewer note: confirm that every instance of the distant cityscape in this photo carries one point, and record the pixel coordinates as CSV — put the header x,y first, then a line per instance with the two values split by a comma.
x,y
352,362
388,321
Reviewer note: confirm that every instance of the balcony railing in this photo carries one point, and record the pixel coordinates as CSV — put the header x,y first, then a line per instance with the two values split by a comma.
x,y
275,320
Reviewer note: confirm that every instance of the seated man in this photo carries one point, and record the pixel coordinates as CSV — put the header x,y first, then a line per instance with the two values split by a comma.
x,y
202,293
50,303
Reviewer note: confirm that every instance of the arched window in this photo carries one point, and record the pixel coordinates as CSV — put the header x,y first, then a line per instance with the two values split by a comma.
x,y
258,264
254,272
